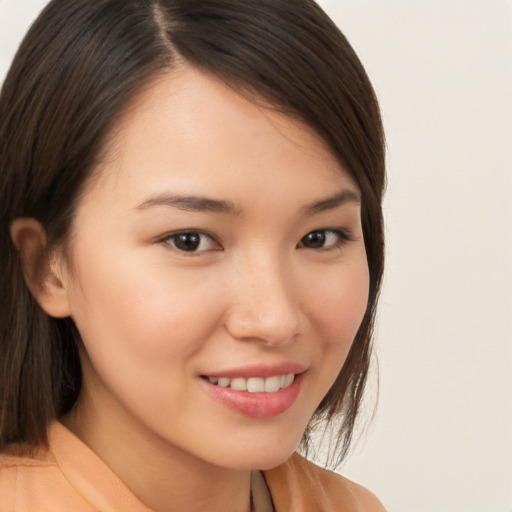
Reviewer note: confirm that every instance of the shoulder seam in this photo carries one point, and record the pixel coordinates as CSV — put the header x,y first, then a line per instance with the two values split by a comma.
x,y
14,462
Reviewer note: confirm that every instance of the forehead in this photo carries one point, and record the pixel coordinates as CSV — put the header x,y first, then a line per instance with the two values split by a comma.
x,y
189,124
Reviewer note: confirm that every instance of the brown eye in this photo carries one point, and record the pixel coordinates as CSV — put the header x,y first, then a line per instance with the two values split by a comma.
x,y
314,240
191,241
324,239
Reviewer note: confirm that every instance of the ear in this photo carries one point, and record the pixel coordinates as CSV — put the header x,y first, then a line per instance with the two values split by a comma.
x,y
42,272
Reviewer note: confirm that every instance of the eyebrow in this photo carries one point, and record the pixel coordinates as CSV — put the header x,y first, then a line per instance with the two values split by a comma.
x,y
206,204
191,203
332,202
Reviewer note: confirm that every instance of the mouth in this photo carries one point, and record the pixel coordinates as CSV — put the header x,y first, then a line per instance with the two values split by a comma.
x,y
255,397
254,384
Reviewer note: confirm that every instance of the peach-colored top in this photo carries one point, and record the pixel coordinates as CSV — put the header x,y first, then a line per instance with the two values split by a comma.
x,y
69,477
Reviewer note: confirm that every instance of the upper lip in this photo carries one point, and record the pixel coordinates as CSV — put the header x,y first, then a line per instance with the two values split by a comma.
x,y
259,370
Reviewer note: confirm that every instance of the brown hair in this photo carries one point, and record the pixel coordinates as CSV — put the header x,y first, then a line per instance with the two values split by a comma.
x,y
76,69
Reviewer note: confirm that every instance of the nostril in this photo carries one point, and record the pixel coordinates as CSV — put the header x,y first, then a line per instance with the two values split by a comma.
x,y
273,329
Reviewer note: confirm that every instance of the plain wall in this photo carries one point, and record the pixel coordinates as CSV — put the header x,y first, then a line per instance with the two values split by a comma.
x,y
442,437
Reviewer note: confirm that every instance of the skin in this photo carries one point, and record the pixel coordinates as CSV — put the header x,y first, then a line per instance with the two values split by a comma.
x,y
154,318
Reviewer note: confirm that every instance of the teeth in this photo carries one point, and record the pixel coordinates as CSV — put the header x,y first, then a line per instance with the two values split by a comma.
x,y
254,384
239,384
223,382
288,380
273,384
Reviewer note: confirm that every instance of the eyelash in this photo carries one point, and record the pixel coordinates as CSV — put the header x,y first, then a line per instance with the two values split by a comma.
x,y
342,238
174,237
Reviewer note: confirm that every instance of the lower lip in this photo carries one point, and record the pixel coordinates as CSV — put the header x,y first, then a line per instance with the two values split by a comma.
x,y
257,405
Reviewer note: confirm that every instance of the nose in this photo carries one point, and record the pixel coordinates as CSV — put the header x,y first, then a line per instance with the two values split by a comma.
x,y
264,304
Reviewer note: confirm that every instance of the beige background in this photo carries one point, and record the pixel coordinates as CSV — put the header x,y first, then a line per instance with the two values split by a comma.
x,y
442,437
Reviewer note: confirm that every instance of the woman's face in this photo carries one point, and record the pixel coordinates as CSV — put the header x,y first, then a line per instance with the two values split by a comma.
x,y
219,248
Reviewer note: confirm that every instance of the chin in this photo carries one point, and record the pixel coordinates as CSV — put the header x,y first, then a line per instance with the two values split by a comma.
x,y
259,455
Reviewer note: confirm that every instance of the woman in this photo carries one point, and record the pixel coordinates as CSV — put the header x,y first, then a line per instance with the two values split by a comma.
x,y
192,251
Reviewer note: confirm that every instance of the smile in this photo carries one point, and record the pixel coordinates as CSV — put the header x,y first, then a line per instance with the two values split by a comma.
x,y
254,384
255,397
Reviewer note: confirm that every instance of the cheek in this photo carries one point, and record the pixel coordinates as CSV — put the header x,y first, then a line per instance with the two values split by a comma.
x,y
341,300
336,301
142,334
143,316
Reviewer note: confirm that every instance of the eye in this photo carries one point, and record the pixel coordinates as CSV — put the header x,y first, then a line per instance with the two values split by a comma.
x,y
324,239
192,242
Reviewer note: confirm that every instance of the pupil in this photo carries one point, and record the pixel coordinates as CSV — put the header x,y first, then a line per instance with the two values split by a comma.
x,y
188,241
315,240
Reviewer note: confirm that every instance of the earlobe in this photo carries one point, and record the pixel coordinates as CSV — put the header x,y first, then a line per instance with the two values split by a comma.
x,y
39,270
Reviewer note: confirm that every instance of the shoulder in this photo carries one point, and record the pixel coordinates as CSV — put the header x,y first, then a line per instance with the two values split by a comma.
x,y
368,500
8,477
334,483
301,485
17,463
30,480
17,457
